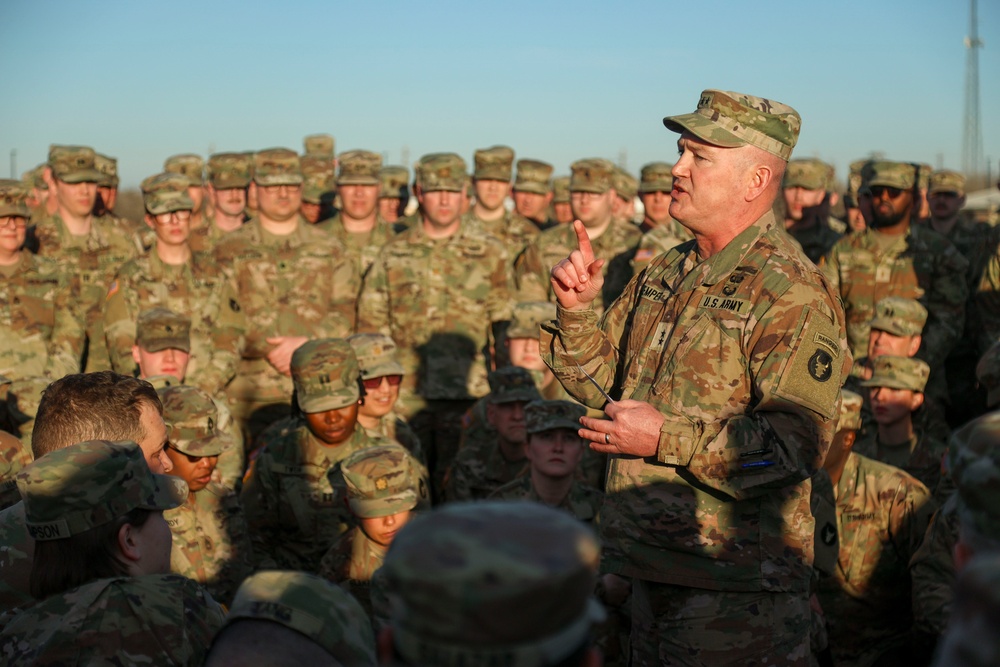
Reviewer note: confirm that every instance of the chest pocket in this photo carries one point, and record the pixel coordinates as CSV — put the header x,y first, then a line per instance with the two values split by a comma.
x,y
304,496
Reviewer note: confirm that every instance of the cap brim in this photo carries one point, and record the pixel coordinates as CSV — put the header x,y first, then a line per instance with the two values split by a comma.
x,y
533,188
358,180
368,508
282,179
383,369
553,425
888,384
19,211
170,492
310,404
86,176
704,129
210,446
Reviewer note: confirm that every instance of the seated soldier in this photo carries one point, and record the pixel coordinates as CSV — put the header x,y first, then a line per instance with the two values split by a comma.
x,y
101,565
210,536
384,488
381,375
287,619
882,513
554,450
896,392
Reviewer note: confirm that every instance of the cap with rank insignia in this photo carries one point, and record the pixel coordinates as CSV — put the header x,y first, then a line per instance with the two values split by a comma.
x,y
380,481
326,375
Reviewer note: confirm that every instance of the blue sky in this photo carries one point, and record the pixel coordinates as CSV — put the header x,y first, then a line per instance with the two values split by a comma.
x,y
142,80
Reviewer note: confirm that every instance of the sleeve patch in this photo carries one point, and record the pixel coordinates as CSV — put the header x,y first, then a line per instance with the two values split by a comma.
x,y
811,377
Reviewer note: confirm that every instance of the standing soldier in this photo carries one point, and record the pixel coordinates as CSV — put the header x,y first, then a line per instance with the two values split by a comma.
x,y
561,208
660,232
808,200
319,145
491,184
533,192
626,187
294,282
318,189
393,192
228,177
107,187
191,167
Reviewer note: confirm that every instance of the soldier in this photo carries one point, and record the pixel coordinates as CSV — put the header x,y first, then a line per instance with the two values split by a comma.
x,y
491,583
294,494
287,619
592,197
39,202
561,207
191,167
491,184
533,192
381,375
228,177
319,145
722,361
808,201
101,565
319,189
89,248
38,333
357,225
294,281
896,389
971,640
393,193
494,456
882,513
626,188
554,451
383,492
107,187
210,536
437,289
895,258
660,232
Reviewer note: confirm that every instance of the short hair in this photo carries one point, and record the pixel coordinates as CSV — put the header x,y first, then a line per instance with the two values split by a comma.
x,y
264,643
91,406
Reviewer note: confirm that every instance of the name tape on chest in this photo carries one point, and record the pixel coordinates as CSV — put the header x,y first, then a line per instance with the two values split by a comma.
x,y
739,306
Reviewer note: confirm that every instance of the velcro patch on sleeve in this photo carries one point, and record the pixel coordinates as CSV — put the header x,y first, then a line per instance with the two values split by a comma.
x,y
811,377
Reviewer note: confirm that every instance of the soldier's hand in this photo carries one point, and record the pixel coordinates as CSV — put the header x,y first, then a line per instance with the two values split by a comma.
x,y
634,429
281,356
577,280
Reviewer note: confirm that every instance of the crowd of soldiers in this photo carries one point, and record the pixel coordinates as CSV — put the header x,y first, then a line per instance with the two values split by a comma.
x,y
276,374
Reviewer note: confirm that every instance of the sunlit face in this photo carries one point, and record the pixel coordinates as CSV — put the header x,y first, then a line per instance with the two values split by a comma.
x,y
508,420
532,205
76,199
881,343
229,201
12,233
279,203
172,228
441,208
657,206
891,207
556,452
388,208
333,427
310,211
799,198
155,440
856,220
945,205
379,400
890,406
491,193
563,212
382,530
170,361
591,208
708,182
358,201
195,470
525,353
197,195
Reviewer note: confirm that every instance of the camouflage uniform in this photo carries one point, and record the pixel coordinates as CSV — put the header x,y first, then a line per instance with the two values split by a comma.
x,y
986,297
294,493
972,638
13,457
534,176
513,230
817,233
743,354
225,171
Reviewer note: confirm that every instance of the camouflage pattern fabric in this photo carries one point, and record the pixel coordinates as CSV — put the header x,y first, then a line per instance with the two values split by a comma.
x,y
513,230
932,571
822,503
198,289
293,510
920,456
882,514
617,244
582,501
656,241
363,248
816,240
921,265
211,542
17,550
973,638
350,563
205,237
397,429
189,165
152,619
13,457
479,470
743,353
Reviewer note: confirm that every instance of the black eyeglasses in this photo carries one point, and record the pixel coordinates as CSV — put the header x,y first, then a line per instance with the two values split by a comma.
x,y
880,190
375,383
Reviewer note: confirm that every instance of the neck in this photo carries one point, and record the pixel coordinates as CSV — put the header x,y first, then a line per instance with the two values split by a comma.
x,y
944,225
174,255
358,225
368,422
436,232
489,215
228,223
511,451
9,258
596,231
279,227
724,233
551,490
77,226
897,432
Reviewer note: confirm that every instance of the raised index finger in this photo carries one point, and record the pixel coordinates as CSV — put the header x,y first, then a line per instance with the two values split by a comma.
x,y
583,243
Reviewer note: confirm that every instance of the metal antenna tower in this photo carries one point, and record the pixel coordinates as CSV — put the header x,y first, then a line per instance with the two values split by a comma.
x,y
972,140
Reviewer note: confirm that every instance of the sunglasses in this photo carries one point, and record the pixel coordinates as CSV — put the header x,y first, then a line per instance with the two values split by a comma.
x,y
375,383
880,190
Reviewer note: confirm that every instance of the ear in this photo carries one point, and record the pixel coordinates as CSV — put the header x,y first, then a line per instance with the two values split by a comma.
x,y
49,178
149,221
914,345
129,544
834,198
135,354
849,439
916,401
383,647
760,179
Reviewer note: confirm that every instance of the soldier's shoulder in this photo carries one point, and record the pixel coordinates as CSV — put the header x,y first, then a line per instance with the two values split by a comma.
x,y
888,477
518,488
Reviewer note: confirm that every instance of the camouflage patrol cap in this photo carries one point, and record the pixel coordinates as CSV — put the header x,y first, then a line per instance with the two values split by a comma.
x,y
533,176
855,178
376,355
625,184
850,411
728,119
359,168
547,415
899,316
441,171
560,190
592,175
510,384
277,166
808,173
74,164
86,485
24,396
924,172
988,374
974,464
900,175
527,318
394,181
193,421
165,193
108,166
35,178
187,164
161,329
494,163
227,171
898,373
320,145
326,374
13,198
656,177
311,606
946,180
380,481
492,583
318,174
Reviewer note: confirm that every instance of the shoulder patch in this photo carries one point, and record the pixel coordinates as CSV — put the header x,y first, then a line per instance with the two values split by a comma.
x,y
811,377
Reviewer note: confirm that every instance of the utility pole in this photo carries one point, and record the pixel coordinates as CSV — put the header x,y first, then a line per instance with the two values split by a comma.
x,y
972,146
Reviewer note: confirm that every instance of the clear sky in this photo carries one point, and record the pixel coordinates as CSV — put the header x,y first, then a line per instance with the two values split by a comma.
x,y
141,80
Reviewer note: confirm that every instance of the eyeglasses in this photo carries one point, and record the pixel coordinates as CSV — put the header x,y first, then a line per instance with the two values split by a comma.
x,y
173,216
375,383
879,190
17,221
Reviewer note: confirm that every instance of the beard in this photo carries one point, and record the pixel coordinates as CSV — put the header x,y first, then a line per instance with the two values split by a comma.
x,y
887,216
